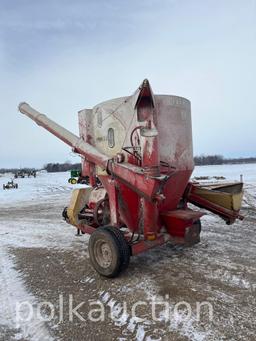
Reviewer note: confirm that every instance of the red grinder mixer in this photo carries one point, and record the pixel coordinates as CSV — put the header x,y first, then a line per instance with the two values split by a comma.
x,y
137,156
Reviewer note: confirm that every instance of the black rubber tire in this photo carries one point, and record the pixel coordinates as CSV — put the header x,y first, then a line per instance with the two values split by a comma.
x,y
104,236
198,222
65,213
124,246
192,233
84,180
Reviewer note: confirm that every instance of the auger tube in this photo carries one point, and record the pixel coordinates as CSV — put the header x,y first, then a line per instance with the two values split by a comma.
x,y
77,143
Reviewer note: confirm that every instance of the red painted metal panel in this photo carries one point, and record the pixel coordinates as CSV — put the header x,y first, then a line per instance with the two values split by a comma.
x,y
177,221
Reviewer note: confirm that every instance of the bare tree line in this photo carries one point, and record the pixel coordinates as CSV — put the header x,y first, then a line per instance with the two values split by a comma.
x,y
201,160
204,160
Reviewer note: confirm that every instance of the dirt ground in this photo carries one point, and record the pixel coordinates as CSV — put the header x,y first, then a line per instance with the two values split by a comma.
x,y
42,257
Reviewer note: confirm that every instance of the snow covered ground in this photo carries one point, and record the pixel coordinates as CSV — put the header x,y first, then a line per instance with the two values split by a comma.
x,y
31,189
41,258
230,172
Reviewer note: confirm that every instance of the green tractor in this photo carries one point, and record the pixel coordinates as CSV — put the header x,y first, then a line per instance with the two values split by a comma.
x,y
77,178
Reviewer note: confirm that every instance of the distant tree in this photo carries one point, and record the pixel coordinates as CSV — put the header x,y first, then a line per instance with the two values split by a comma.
x,y
204,160
61,167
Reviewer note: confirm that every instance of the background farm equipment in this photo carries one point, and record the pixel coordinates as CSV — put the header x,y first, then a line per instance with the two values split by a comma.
x,y
10,185
140,148
25,173
74,174
77,178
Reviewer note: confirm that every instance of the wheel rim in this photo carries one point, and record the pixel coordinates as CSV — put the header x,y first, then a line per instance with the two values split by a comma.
x,y
103,253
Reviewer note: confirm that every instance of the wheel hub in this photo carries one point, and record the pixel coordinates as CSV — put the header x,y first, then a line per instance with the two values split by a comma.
x,y
103,253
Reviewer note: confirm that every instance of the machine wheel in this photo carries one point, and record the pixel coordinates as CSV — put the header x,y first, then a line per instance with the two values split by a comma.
x,y
107,252
87,180
65,213
125,247
198,223
192,234
73,181
84,180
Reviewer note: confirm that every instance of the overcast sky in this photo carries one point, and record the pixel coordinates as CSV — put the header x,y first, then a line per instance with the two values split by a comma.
x,y
61,56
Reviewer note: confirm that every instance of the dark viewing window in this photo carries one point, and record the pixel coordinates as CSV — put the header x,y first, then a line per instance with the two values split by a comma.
x,y
111,138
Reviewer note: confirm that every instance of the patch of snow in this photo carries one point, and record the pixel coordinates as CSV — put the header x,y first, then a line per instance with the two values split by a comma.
x,y
12,291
